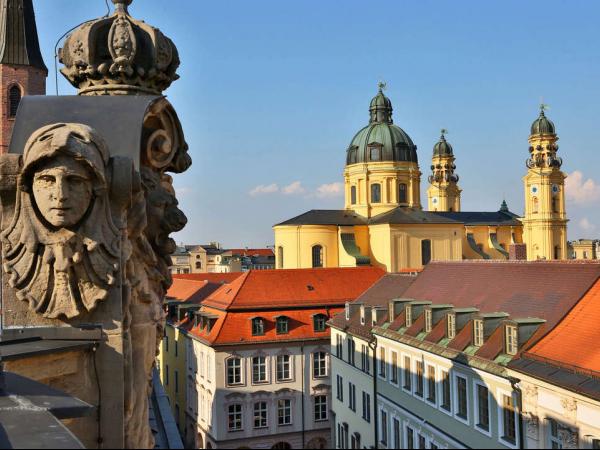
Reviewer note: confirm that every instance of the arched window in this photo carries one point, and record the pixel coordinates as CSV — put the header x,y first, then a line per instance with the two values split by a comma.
x,y
353,195
14,98
425,251
402,193
317,256
375,193
280,257
535,205
198,265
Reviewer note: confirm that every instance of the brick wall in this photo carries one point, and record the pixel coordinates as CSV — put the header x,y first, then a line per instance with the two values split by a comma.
x,y
517,252
32,82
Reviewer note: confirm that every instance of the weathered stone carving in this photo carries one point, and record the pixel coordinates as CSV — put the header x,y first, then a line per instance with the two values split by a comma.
x,y
61,250
568,436
569,407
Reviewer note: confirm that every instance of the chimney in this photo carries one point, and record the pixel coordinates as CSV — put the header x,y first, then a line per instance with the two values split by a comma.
x,y
517,252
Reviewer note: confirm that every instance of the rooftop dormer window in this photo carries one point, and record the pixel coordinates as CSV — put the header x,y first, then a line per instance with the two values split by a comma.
x,y
478,333
283,325
451,331
258,326
375,154
428,321
408,315
319,321
512,339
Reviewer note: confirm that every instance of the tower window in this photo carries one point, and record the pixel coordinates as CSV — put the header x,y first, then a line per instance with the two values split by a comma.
x,y
376,193
317,256
425,251
557,252
535,205
402,193
554,204
14,98
353,195
280,257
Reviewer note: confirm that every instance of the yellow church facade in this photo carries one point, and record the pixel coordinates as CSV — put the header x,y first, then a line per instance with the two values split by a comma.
x,y
383,222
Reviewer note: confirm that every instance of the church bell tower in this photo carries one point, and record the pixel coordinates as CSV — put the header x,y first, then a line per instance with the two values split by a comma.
x,y
443,194
22,68
545,221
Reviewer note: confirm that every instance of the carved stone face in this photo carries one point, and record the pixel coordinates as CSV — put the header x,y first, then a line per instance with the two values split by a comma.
x,y
62,189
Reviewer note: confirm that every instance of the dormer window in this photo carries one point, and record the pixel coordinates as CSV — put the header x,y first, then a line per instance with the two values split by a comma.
x,y
428,321
375,154
258,326
347,311
478,333
512,340
319,322
408,315
283,325
451,331
362,315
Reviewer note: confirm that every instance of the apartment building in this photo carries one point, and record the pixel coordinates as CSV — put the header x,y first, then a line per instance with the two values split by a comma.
x,y
452,359
257,358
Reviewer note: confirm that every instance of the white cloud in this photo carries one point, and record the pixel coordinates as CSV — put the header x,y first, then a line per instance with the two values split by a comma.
x,y
294,188
330,190
581,191
264,189
586,225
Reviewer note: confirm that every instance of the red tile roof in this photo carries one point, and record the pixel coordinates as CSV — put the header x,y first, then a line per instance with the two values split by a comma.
x,y
251,252
298,287
212,277
191,291
575,341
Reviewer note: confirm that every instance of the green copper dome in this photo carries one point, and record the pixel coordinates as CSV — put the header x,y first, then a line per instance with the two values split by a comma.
x,y
381,140
443,147
542,125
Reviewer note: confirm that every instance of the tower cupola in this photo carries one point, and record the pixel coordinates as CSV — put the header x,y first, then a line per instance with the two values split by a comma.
x,y
542,125
381,107
443,193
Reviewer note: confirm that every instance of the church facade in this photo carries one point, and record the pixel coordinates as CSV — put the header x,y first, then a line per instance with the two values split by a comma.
x,y
383,222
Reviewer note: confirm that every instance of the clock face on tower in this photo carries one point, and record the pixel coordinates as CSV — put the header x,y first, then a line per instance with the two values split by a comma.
x,y
555,189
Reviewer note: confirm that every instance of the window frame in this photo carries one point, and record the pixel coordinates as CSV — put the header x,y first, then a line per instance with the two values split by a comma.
x,y
290,369
14,87
258,326
407,373
317,318
231,429
456,407
288,402
320,411
366,406
376,191
500,393
318,259
442,406
477,417
284,321
394,375
265,364
509,342
428,385
315,366
451,326
478,333
265,418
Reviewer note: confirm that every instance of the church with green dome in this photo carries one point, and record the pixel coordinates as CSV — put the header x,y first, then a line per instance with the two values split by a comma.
x,y
383,222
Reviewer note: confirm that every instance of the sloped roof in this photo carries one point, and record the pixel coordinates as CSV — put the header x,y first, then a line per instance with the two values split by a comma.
x,y
341,217
252,252
388,287
212,277
191,291
265,289
404,215
482,218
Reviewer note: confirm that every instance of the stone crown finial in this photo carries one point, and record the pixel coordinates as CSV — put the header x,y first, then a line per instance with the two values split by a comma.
x,y
119,55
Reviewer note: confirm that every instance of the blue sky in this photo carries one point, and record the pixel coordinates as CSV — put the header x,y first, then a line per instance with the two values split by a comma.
x,y
271,93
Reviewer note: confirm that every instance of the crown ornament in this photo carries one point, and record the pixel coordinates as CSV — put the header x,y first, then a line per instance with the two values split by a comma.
x,y
119,55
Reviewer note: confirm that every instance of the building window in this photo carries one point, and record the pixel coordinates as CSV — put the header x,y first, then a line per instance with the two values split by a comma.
x,y
596,443
14,99
340,388
259,369
419,378
483,408
509,431
261,415
402,193
167,375
176,349
376,193
394,368
284,368
317,256
234,371
365,360
366,406
407,374
280,257
478,333
258,326
384,427
319,322
235,417
428,320
382,362
319,364
535,205
461,398
396,431
353,195
410,437
422,441
352,396
284,412
375,153
512,340
553,436
557,252
431,393
408,315
351,350
446,391
339,349
282,325
425,252
321,408
355,441
176,381
451,326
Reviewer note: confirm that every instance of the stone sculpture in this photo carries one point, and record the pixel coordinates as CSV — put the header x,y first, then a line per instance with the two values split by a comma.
x,y
61,250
